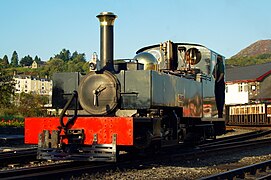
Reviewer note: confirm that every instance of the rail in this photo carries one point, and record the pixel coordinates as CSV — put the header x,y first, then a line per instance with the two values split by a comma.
x,y
66,170
242,172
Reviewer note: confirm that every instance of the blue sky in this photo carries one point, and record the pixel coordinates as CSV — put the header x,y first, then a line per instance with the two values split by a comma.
x,y
44,28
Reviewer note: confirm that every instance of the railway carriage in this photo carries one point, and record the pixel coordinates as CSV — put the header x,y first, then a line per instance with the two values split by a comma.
x,y
162,97
249,114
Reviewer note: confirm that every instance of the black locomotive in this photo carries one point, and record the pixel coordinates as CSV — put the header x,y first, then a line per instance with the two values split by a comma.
x,y
163,96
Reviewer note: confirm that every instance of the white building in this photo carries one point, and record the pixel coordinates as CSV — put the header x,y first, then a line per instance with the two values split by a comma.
x,y
33,85
236,93
248,84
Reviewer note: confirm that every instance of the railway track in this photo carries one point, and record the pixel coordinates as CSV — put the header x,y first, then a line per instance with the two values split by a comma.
x,y
248,138
236,138
69,169
17,155
55,171
258,171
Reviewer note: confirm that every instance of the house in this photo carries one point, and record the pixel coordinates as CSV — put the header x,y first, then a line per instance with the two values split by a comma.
x,y
35,64
248,84
33,85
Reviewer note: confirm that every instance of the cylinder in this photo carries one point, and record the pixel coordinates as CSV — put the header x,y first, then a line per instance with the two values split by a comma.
x,y
107,40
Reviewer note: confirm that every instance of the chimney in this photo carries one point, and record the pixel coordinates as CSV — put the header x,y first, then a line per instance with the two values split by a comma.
x,y
106,40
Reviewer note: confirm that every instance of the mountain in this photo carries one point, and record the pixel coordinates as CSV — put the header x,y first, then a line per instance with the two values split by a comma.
x,y
256,53
258,48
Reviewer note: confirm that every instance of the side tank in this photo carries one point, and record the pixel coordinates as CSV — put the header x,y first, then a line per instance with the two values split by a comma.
x,y
193,62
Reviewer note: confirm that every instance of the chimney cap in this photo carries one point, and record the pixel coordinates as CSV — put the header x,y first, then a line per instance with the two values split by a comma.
x,y
106,13
106,18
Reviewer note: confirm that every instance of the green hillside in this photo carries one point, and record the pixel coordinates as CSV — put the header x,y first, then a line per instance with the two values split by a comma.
x,y
258,52
249,60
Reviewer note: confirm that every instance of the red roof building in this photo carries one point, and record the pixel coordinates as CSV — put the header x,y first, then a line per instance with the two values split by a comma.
x,y
248,84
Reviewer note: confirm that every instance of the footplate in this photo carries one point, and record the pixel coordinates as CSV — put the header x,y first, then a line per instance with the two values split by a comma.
x,y
50,148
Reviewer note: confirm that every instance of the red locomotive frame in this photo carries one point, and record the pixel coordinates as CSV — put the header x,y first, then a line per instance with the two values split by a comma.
x,y
103,127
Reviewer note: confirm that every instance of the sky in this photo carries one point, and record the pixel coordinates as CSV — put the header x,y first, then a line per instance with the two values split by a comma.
x,y
44,28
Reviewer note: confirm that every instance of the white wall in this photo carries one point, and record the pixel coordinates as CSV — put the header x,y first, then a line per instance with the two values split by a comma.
x,y
33,85
233,96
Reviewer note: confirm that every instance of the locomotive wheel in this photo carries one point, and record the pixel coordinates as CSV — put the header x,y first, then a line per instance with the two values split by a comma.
x,y
155,147
143,139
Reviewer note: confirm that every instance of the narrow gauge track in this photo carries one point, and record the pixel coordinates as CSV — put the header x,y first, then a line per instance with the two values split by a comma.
x,y
69,169
17,155
258,171
236,138
223,147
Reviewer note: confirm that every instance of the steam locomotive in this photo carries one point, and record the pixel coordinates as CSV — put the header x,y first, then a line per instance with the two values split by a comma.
x,y
162,97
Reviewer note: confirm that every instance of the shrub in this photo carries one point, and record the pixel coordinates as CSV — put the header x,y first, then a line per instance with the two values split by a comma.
x,y
12,122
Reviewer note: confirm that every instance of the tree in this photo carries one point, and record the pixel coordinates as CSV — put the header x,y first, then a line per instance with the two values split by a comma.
x,y
65,55
26,61
54,65
14,59
76,57
32,104
74,66
37,59
6,89
86,67
5,60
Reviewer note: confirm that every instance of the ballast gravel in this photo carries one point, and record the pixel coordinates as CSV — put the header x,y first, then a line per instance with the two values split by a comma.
x,y
188,169
193,169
